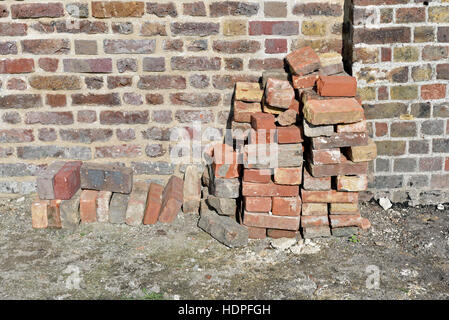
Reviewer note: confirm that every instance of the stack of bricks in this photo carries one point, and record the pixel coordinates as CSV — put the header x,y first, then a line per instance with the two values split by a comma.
x,y
315,101
74,192
270,206
338,147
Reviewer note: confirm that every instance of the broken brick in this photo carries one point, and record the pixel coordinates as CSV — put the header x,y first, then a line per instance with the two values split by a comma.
x,y
303,61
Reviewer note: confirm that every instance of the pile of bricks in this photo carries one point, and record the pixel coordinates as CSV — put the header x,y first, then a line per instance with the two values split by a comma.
x,y
219,203
312,111
70,193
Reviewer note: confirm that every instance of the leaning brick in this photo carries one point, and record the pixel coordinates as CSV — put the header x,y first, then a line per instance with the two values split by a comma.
x,y
106,177
39,210
223,206
172,198
88,206
117,207
54,214
69,211
192,190
67,181
137,203
46,180
154,203
103,200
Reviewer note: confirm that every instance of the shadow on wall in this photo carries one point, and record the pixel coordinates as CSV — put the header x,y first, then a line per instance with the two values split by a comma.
x,y
347,36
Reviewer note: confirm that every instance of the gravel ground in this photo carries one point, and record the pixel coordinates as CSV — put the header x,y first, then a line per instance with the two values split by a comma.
x,y
408,247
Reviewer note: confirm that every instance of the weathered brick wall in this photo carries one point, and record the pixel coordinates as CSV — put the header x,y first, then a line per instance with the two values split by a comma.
x,y
400,58
105,81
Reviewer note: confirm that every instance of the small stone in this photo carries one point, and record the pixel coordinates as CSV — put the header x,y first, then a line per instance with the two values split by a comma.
x,y
282,243
385,203
440,206
287,118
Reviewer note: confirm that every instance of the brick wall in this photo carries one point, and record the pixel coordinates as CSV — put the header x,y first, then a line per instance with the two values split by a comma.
x,y
400,57
105,80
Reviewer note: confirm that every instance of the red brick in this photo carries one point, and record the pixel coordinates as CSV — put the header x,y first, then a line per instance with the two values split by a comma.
x,y
277,234
244,110
433,91
154,203
381,129
295,106
48,64
88,206
333,111
314,221
257,175
307,81
337,86
171,199
343,168
15,66
37,10
263,220
303,61
39,209
331,196
446,165
268,190
56,100
314,209
288,176
326,156
341,220
256,233
287,206
279,93
257,204
315,183
290,134
261,120
273,46
67,180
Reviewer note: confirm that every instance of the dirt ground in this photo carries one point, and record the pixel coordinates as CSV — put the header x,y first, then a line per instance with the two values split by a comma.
x,y
408,247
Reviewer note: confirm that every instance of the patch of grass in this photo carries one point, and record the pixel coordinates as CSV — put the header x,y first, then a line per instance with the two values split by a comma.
x,y
354,239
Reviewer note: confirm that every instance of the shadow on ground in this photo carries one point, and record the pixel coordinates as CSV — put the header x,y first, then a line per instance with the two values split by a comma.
x,y
409,247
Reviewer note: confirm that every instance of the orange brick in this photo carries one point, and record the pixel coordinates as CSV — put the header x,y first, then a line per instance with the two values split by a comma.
x,y
257,204
263,121
288,176
286,206
39,209
250,189
307,81
303,61
171,200
264,220
290,134
153,205
337,86
257,175
88,206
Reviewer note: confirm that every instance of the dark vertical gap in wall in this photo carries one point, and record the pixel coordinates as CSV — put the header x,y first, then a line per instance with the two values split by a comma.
x,y
347,36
